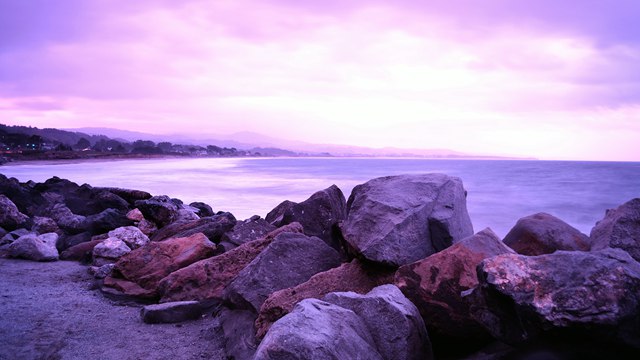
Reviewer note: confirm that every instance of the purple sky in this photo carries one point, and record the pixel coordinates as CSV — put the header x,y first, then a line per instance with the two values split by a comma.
x,y
550,79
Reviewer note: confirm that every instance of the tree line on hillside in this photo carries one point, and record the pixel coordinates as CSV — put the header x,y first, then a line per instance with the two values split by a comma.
x,y
29,140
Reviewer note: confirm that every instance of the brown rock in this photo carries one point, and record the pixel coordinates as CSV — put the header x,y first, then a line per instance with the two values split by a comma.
x,y
80,252
435,284
135,215
147,265
128,288
206,279
354,276
542,233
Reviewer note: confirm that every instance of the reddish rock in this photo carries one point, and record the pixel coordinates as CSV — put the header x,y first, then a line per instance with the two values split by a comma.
x,y
354,276
135,215
128,288
206,279
80,252
147,265
435,284
213,227
542,233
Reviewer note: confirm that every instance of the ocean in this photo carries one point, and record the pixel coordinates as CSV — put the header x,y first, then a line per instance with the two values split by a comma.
x,y
499,191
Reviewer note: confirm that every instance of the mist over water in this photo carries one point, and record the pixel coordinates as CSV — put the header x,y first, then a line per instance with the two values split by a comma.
x,y
499,192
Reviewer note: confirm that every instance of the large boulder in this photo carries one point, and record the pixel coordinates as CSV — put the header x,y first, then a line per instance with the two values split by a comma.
x,y
43,225
395,324
65,219
130,196
35,247
203,210
620,228
80,252
237,333
564,294
289,260
159,209
354,276
147,265
106,220
109,251
207,279
396,220
316,329
66,241
131,235
251,229
10,217
212,227
28,200
542,233
318,214
435,284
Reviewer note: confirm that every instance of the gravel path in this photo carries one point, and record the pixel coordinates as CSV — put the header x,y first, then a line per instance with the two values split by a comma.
x,y
50,311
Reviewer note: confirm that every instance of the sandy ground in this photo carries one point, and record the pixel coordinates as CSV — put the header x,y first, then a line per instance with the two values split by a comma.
x,y
50,311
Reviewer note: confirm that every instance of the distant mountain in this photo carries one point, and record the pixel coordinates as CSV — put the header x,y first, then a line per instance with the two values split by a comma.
x,y
55,135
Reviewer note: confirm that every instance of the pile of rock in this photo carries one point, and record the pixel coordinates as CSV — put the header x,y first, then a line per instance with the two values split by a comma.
x,y
395,272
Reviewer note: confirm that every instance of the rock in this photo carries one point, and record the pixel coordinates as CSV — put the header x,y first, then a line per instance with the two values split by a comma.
x,y
80,252
131,196
147,227
35,247
147,265
318,330
207,279
592,295
396,220
106,220
173,312
131,235
289,260
354,276
393,321
248,230
435,284
135,215
101,272
43,225
159,209
204,210
213,227
28,200
236,328
109,251
275,217
67,241
129,289
12,236
187,215
542,233
620,228
66,220
10,217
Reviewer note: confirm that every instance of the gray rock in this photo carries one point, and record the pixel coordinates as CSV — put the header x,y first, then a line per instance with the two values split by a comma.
x,y
236,328
131,196
131,235
317,215
393,321
569,293
289,260
212,227
620,228
316,329
111,249
396,220
43,225
106,220
66,220
171,312
542,233
12,236
159,209
247,230
10,217
35,247
204,210
101,272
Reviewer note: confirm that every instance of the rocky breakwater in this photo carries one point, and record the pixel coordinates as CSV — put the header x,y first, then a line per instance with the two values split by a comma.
x,y
394,272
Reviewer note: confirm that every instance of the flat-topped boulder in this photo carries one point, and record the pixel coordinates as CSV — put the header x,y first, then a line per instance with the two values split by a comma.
x,y
620,228
435,284
289,260
543,233
593,295
396,220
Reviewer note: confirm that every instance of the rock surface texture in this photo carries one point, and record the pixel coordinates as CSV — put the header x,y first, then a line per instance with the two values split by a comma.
x,y
396,220
435,284
542,233
590,294
620,228
10,217
35,247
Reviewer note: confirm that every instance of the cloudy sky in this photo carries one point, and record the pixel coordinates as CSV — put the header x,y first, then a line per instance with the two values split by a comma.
x,y
545,78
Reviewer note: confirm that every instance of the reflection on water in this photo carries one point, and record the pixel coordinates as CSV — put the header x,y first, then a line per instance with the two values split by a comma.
x,y
499,192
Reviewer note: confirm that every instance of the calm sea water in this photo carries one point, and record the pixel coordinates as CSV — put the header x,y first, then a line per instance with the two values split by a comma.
x,y
499,192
